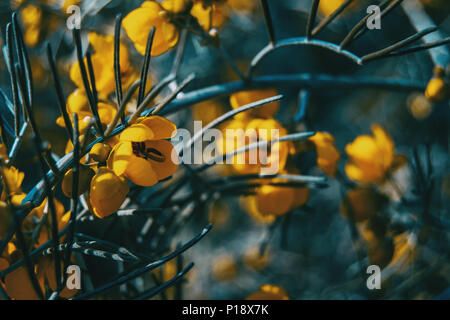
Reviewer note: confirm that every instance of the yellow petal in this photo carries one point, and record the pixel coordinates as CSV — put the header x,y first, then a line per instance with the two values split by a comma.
x,y
137,132
162,128
120,157
167,167
242,98
139,22
385,145
275,200
107,192
140,172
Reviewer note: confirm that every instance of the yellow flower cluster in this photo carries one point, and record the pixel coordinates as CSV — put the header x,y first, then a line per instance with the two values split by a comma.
x,y
169,17
17,284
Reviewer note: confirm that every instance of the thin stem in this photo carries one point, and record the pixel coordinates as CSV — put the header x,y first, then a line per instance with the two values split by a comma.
x,y
417,48
173,94
398,45
91,77
331,17
385,11
179,54
52,209
84,77
134,274
146,65
75,196
13,79
229,115
154,291
268,20
311,18
120,113
24,59
360,25
117,74
59,92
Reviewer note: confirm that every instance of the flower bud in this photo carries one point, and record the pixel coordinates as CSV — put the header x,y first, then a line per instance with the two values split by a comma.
x,y
437,90
107,193
100,152
84,180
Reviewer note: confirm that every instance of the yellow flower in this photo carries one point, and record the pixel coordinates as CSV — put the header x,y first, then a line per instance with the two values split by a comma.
x,y
224,267
437,90
176,6
203,14
362,203
251,131
141,155
100,152
84,180
419,106
273,201
31,15
77,102
269,292
242,98
107,193
103,64
327,154
207,111
13,179
371,157
139,22
253,258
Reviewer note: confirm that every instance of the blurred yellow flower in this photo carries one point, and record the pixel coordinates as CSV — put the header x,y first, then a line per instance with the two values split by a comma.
x,y
207,19
224,267
207,111
371,157
437,90
31,17
77,102
13,179
107,193
327,154
242,98
271,201
176,6
142,155
253,258
241,132
140,21
362,203
103,64
269,292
